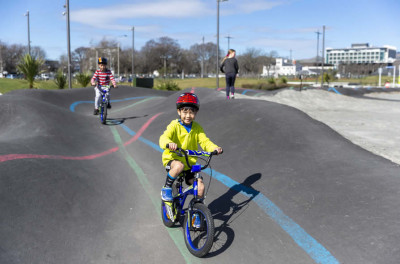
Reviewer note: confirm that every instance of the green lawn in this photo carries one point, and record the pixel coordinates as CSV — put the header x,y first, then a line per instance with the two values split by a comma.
x,y
7,85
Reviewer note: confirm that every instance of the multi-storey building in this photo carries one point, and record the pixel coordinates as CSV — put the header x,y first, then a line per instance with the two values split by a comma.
x,y
361,53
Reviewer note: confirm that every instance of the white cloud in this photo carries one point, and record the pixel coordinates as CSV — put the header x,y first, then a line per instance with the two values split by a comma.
x,y
250,6
105,17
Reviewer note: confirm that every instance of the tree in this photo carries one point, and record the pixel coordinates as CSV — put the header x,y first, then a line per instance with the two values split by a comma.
x,y
206,52
30,67
249,62
156,51
12,56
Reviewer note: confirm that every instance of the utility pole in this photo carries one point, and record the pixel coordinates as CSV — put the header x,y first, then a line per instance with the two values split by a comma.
x,y
229,38
323,56
202,59
316,58
29,33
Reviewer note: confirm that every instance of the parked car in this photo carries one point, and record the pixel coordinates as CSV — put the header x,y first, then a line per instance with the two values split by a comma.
x,y
44,76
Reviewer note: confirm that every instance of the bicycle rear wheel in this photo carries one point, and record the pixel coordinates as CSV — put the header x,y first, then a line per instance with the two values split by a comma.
x,y
199,240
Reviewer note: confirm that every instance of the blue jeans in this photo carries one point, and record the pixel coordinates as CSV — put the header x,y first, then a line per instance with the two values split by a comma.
x,y
230,83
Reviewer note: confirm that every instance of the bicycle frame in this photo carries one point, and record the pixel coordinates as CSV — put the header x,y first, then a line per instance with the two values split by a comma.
x,y
192,189
104,102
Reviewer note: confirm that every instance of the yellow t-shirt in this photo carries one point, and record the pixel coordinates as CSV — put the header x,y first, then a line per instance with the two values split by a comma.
x,y
177,133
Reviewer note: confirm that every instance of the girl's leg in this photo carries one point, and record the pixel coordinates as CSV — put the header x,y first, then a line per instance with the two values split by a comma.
x,y
227,85
233,85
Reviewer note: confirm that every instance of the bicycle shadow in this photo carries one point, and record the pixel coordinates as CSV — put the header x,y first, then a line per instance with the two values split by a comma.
x,y
118,121
226,210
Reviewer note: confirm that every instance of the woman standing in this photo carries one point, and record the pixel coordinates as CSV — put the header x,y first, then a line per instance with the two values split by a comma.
x,y
230,67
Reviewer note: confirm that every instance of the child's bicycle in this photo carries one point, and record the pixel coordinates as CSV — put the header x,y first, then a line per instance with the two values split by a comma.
x,y
104,91
198,238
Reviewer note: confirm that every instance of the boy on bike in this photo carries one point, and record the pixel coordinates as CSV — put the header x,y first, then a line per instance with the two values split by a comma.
x,y
184,133
102,76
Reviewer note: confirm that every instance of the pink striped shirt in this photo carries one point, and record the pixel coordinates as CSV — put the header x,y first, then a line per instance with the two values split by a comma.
x,y
103,78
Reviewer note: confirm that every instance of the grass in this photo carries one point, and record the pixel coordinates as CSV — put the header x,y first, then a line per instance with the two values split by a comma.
x,y
7,85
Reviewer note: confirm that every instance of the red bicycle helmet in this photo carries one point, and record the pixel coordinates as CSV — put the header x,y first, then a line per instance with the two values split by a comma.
x,y
188,99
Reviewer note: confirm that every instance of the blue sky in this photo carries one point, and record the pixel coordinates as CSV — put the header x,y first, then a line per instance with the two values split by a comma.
x,y
277,25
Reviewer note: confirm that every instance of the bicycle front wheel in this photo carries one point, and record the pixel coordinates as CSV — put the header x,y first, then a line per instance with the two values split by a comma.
x,y
200,239
103,113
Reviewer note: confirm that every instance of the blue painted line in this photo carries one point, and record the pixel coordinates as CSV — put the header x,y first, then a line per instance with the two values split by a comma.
x,y
245,91
73,105
314,249
333,89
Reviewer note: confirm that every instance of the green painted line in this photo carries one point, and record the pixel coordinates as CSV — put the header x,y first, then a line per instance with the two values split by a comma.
x,y
175,233
141,101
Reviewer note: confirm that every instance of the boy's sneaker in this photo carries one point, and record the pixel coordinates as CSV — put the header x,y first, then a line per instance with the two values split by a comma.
x,y
96,112
166,194
233,96
109,106
227,98
196,223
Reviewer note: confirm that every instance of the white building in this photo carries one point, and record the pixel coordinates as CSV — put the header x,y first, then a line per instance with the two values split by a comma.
x,y
282,67
361,53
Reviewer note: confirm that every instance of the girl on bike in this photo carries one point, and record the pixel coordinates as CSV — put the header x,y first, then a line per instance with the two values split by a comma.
x,y
184,133
102,76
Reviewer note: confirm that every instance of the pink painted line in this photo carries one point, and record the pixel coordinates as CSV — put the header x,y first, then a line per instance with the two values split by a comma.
x,y
8,157
193,88
141,130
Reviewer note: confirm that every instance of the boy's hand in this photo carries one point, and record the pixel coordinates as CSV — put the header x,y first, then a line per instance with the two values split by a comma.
x,y
219,150
172,146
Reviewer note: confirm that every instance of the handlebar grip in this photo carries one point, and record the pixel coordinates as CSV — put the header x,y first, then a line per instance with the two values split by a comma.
x,y
167,145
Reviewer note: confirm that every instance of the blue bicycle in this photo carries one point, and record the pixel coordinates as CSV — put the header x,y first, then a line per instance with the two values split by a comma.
x,y
198,237
104,91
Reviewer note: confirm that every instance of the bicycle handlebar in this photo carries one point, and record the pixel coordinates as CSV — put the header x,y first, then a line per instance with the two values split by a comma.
x,y
195,153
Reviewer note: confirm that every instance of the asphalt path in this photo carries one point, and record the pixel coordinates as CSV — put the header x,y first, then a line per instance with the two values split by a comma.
x,y
288,189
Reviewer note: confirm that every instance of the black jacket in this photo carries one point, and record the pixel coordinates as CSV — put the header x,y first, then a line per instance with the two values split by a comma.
x,y
230,65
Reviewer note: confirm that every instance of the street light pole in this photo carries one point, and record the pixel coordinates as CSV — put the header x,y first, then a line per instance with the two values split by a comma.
x,y
29,34
323,56
133,54
217,72
68,44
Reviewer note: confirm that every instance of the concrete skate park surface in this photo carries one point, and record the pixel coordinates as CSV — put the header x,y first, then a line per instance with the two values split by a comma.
x,y
289,188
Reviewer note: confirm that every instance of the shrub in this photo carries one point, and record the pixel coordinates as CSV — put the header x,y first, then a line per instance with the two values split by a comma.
x,y
168,85
284,80
83,79
30,67
271,80
60,79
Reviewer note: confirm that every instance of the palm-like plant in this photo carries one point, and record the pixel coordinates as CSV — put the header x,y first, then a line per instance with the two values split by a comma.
x,y
60,79
83,79
30,67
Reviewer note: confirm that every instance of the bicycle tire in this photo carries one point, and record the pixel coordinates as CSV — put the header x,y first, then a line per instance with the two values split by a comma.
x,y
199,240
103,113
